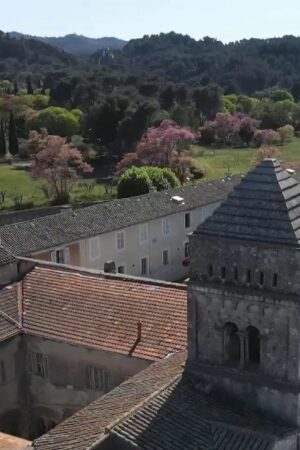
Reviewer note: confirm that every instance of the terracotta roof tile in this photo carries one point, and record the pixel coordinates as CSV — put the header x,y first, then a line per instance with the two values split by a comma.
x,y
103,312
8,442
9,315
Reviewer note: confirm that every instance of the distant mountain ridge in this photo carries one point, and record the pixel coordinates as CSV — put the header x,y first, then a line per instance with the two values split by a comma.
x,y
76,44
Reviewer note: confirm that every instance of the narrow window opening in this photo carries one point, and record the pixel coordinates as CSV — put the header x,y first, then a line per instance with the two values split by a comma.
x,y
248,276
236,274
253,345
210,271
231,344
261,278
187,220
275,279
223,273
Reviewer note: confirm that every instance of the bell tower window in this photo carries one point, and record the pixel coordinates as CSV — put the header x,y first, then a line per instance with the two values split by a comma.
x,y
231,351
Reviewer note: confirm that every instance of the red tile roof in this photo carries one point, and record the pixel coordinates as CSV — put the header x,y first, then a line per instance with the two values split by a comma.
x,y
8,442
9,316
103,311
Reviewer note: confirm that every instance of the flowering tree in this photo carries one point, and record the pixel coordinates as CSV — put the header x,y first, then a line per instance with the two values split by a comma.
x,y
247,129
226,127
163,146
265,137
56,162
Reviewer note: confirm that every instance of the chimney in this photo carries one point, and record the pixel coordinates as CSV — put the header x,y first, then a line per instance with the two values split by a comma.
x,y
139,331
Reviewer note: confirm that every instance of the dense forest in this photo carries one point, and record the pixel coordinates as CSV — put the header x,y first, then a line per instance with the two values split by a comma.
x,y
110,98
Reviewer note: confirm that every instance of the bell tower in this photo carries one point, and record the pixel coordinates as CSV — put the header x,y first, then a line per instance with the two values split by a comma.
x,y
243,294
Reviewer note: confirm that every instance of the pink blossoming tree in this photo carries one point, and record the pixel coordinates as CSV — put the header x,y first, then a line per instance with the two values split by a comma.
x,y
56,162
162,146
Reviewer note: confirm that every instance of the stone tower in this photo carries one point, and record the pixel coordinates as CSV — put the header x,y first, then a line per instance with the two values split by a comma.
x,y
244,293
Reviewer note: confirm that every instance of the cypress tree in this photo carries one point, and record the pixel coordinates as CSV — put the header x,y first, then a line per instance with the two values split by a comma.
x,y
2,140
13,143
29,86
16,87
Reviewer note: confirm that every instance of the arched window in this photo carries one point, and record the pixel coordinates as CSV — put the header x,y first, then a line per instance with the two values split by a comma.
x,y
231,344
253,345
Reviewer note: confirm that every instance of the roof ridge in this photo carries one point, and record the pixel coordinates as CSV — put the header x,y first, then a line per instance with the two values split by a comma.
x,y
11,320
137,406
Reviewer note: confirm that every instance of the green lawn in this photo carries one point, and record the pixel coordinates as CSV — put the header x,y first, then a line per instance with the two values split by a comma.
x,y
20,188
217,162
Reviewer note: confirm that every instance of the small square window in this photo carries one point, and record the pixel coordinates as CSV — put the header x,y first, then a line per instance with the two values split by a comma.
x,y
187,220
166,260
120,240
121,269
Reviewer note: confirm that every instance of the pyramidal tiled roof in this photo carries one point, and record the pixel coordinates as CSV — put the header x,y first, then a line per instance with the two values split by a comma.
x,y
264,206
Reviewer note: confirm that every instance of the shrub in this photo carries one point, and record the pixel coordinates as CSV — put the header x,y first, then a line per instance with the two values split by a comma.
x,y
266,151
286,133
135,181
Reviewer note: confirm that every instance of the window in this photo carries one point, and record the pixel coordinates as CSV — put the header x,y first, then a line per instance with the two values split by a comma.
x,y
98,379
144,266
186,249
261,278
210,270
121,269
165,227
248,276
38,364
231,347
253,345
275,279
223,273
236,274
94,248
61,256
187,220
165,255
120,240
144,233
2,372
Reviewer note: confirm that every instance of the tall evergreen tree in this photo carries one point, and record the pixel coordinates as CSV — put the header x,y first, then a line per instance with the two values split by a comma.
x,y
29,86
16,87
13,143
2,139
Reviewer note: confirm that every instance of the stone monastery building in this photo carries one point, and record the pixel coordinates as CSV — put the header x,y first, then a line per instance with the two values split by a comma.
x,y
238,386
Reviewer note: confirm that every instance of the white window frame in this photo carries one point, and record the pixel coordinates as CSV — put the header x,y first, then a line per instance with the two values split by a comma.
x,y
66,251
122,232
185,214
121,265
147,271
144,230
169,257
166,229
94,242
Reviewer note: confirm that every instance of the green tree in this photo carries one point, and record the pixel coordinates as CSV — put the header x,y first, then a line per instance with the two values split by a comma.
x,y
57,121
13,143
2,139
135,181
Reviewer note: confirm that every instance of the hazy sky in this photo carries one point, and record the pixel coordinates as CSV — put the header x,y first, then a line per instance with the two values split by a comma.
x,y
227,20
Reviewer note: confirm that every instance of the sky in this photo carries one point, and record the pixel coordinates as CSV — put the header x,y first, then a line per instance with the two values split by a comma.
x,y
227,20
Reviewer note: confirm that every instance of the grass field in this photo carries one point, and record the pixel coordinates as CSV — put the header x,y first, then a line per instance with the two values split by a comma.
x,y
19,186
217,162
20,189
